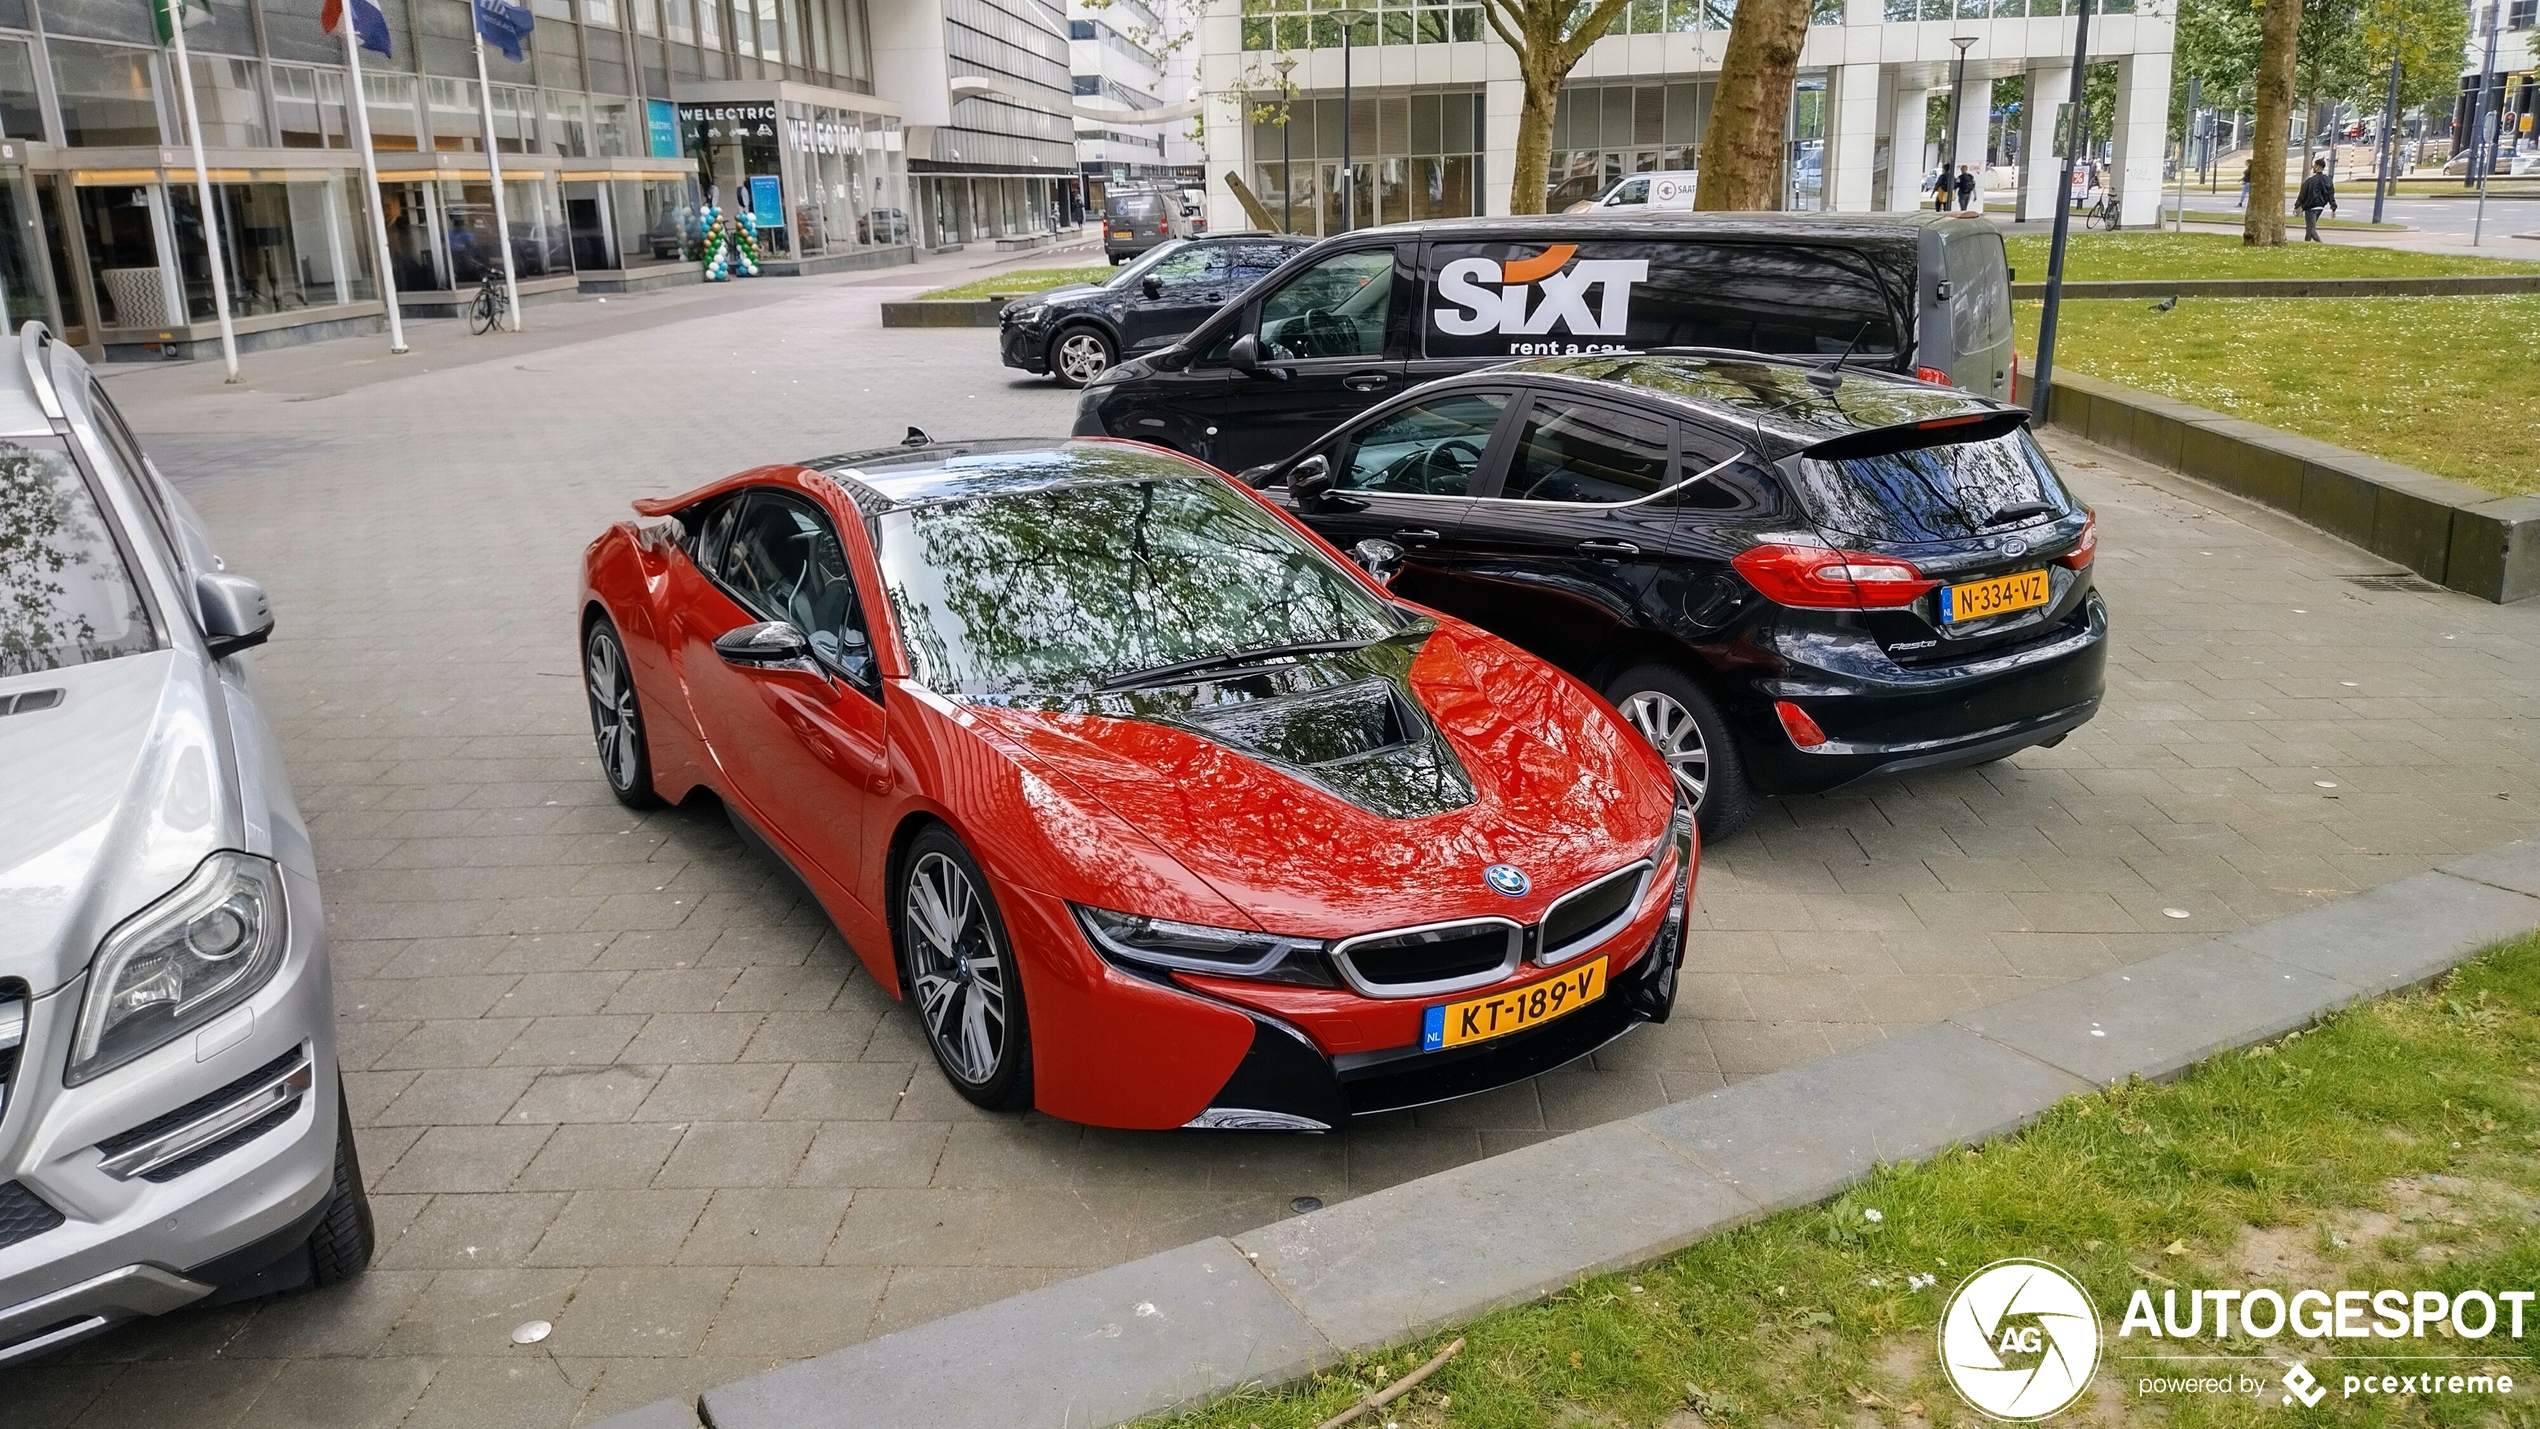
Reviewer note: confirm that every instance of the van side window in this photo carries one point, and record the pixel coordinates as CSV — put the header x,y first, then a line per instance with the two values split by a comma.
x,y
1337,308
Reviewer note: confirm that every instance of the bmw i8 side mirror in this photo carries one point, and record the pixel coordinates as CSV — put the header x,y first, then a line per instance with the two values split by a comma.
x,y
236,615
767,644
1379,559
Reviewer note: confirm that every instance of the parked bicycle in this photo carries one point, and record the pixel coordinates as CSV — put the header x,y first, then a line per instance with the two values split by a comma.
x,y
491,306
2103,214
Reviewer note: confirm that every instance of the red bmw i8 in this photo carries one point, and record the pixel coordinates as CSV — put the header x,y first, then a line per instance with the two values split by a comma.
x,y
1159,811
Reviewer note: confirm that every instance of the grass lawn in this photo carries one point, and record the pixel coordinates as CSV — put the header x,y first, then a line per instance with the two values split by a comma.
x,y
2446,385
2396,1145
1025,280
2109,257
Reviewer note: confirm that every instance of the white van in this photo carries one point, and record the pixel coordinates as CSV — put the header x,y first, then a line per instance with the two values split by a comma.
x,y
1644,193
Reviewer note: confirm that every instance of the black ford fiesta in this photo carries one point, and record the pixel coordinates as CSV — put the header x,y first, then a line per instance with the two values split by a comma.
x,y
1790,577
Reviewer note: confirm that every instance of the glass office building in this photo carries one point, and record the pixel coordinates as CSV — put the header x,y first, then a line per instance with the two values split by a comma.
x,y
603,180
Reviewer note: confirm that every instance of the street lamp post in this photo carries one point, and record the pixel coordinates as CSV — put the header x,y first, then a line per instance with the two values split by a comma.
x,y
1287,121
2389,126
2042,382
1957,99
1350,18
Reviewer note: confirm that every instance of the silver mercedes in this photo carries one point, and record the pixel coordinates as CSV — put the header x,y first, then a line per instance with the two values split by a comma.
x,y
172,1126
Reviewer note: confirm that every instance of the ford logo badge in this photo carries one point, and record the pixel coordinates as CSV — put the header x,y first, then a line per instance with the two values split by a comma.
x,y
2015,547
1504,878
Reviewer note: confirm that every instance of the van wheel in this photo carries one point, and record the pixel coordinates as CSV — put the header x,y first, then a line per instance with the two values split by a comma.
x,y
1080,355
1682,724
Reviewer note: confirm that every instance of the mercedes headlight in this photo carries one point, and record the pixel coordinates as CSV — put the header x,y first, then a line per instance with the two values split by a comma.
x,y
180,962
1161,943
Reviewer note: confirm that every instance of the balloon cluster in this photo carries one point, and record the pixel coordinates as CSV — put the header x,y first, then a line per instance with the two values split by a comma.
x,y
729,246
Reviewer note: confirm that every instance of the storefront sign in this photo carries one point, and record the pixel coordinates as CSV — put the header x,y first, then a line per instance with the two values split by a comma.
x,y
729,123
661,129
767,201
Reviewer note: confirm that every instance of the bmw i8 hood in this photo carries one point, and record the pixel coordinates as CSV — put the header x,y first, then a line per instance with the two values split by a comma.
x,y
1367,789
116,790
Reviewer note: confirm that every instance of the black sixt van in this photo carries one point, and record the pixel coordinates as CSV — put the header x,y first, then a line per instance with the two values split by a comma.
x,y
1363,316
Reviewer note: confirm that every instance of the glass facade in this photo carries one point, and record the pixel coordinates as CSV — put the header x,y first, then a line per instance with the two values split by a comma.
x,y
1413,155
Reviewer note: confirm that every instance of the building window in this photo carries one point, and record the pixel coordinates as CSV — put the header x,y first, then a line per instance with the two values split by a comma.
x,y
600,12
1601,134
227,101
613,129
310,104
390,99
568,125
21,108
108,94
2524,14
1415,156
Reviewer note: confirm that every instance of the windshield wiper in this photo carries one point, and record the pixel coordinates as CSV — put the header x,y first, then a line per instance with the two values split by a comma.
x,y
2017,511
1154,674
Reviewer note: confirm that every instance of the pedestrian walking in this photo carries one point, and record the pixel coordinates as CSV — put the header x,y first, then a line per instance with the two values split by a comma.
x,y
1940,191
2248,171
1966,188
2318,192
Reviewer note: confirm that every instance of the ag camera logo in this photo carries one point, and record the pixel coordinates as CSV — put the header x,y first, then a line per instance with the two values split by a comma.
x,y
2019,1340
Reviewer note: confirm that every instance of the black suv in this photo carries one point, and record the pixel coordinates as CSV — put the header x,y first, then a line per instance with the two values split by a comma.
x,y
1076,333
1368,314
1790,577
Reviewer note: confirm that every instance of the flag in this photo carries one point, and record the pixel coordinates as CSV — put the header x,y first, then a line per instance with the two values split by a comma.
x,y
369,25
193,12
503,25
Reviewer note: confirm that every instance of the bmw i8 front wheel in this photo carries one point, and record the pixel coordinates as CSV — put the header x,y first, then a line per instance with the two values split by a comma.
x,y
961,976
617,717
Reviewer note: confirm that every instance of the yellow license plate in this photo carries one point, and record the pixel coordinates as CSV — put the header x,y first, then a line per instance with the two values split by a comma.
x,y
1455,1023
1976,600
1124,233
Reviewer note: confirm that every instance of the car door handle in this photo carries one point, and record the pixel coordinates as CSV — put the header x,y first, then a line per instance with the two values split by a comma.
x,y
1366,382
1416,535
1609,550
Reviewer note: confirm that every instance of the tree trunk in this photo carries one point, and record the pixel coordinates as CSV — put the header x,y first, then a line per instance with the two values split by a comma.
x,y
1742,155
1534,147
2279,29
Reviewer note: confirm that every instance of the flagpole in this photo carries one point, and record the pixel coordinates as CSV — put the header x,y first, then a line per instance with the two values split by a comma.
x,y
370,176
494,163
173,12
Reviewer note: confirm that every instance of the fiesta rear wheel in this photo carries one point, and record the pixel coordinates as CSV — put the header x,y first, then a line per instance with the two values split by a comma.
x,y
961,976
617,717
1682,724
1080,355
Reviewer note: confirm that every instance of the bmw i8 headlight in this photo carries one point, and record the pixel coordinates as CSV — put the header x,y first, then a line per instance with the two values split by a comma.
x,y
180,962
1154,943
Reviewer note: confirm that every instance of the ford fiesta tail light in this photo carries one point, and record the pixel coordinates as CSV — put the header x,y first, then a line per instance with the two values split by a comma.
x,y
1802,730
1931,374
2078,558
1817,578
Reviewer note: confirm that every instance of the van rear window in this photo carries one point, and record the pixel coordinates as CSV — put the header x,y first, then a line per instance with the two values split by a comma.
x,y
1133,205
1934,493
1536,299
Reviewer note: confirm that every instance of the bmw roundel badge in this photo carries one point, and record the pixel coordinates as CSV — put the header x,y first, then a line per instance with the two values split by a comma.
x,y
1508,879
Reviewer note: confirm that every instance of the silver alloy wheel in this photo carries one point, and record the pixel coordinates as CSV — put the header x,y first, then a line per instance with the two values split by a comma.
x,y
1672,730
612,708
1082,356
959,980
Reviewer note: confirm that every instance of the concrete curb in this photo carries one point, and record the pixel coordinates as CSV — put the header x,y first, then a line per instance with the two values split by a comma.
x,y
2473,541
1267,1307
943,312
2460,287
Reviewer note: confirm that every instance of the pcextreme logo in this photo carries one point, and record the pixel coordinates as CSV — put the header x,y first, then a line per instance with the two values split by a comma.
x,y
1489,296
2019,1340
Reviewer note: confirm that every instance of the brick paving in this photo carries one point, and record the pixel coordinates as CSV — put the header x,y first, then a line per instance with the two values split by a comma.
x,y
608,1070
